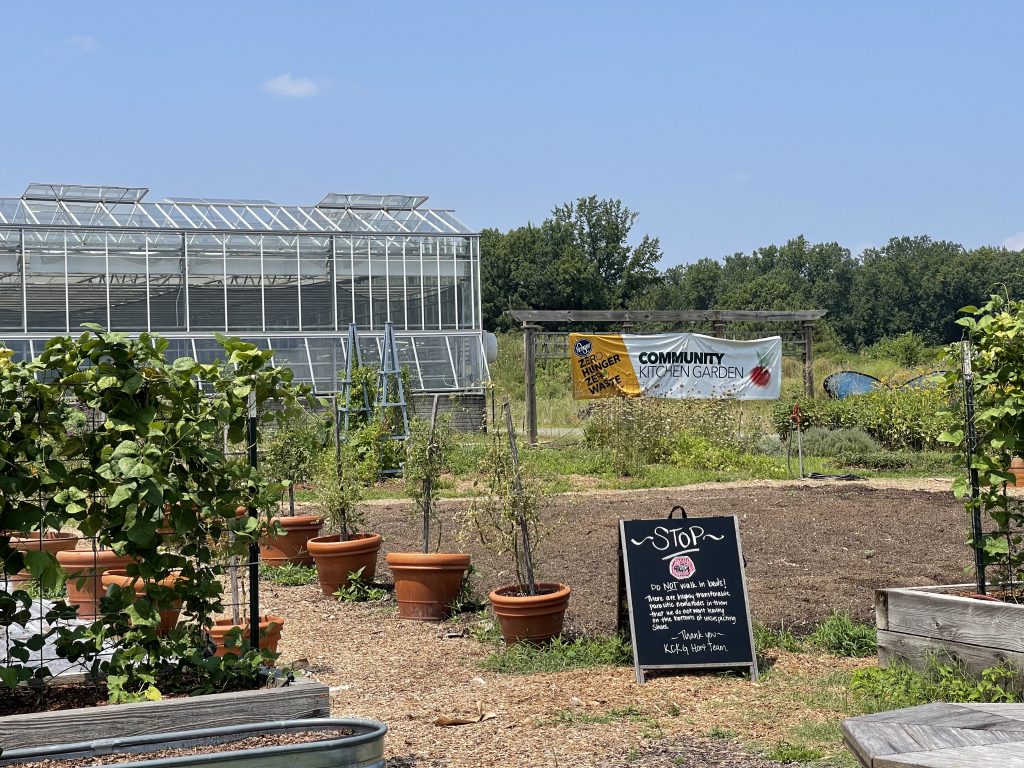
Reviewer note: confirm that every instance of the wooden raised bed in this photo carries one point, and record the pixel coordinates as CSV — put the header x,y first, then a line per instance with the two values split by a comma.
x,y
299,700
918,623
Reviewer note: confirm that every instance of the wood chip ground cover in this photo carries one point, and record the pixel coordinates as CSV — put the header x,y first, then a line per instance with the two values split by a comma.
x,y
811,549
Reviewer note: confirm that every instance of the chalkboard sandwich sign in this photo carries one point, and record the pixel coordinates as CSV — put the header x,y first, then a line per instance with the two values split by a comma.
x,y
686,593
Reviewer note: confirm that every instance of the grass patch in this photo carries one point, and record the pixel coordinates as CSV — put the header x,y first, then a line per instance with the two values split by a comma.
x,y
898,686
560,655
289,574
842,636
788,752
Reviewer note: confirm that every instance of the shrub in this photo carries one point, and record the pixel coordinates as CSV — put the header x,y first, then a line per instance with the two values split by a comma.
x,y
908,349
905,417
820,441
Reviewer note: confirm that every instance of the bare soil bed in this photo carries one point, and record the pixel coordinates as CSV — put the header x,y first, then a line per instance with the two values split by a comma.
x,y
811,549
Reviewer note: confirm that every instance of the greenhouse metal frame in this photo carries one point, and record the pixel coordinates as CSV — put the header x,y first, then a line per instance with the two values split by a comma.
x,y
286,277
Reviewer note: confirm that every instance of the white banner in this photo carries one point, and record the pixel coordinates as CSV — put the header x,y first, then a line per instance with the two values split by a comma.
x,y
674,365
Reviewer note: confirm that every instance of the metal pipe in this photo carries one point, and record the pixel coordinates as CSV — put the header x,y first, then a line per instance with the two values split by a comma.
x,y
971,441
254,547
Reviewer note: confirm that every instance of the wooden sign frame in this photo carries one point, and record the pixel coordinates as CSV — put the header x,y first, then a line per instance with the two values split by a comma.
x,y
625,585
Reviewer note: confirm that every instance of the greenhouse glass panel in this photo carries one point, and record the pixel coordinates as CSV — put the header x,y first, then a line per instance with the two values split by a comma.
x,y
414,282
167,298
128,293
435,362
379,283
317,302
396,282
45,290
281,282
361,282
328,361
10,280
431,265
206,282
244,294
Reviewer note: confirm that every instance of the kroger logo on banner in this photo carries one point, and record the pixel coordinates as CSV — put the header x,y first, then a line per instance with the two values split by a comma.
x,y
582,348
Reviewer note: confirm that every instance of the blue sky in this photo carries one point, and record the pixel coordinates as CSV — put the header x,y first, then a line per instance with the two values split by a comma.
x,y
726,125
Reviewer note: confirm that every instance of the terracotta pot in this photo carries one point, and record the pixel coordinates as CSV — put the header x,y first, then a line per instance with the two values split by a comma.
x,y
51,541
85,569
336,559
1017,469
270,634
426,584
293,547
530,618
168,613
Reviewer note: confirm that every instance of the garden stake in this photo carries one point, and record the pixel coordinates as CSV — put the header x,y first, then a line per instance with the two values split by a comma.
x,y
523,527
254,546
971,440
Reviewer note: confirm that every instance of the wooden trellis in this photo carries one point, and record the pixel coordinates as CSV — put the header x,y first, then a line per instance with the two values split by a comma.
x,y
795,328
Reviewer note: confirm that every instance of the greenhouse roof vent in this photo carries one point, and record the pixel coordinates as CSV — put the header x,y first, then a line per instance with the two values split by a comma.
x,y
84,193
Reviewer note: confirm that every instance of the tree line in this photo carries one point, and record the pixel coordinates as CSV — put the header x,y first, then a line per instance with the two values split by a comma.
x,y
580,258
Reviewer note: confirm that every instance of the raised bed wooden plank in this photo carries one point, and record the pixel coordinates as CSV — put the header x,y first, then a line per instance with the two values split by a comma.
x,y
301,699
993,756
953,618
915,650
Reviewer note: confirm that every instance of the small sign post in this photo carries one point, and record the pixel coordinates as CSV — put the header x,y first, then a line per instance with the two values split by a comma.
x,y
687,594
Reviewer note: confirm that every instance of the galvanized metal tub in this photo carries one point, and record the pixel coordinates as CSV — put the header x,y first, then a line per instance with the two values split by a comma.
x,y
363,749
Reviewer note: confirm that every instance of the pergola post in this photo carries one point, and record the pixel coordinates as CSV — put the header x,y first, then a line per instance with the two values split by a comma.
x,y
809,357
530,374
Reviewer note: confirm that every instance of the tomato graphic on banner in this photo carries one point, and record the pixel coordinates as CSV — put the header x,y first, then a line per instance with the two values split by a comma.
x,y
674,365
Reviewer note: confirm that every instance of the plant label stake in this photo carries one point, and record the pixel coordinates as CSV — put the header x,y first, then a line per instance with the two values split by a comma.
x,y
799,439
517,479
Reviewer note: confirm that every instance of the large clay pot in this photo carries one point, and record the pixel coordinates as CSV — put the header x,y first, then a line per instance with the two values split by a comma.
x,y
530,618
293,547
168,613
336,559
85,569
270,634
1017,469
51,541
426,584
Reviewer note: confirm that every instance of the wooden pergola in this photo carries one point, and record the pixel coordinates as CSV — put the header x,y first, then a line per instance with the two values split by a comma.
x,y
797,335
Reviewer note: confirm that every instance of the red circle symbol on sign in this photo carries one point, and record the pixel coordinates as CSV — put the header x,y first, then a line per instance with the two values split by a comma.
x,y
682,567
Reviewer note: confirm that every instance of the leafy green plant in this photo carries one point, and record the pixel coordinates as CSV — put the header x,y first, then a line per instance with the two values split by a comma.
x,y
290,452
996,332
899,685
505,518
340,480
766,638
427,450
356,590
146,475
289,574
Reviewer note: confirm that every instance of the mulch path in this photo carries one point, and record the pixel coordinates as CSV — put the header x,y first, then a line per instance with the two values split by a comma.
x,y
811,549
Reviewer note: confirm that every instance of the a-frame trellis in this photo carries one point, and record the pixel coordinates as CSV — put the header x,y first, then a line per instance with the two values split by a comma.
x,y
795,328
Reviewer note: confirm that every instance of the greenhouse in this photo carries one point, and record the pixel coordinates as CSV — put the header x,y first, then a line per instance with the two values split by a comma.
x,y
288,277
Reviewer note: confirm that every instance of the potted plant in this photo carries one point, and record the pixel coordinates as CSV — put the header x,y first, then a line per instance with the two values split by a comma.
x,y
506,520
156,591
339,484
48,541
289,457
230,635
85,569
426,583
